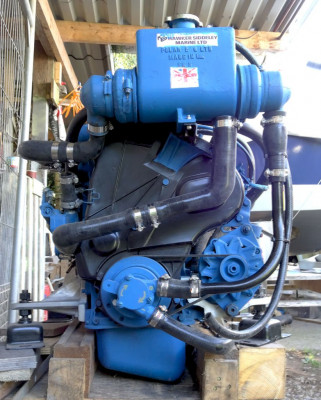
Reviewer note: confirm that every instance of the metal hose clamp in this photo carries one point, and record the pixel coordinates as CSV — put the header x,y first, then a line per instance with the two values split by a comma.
x,y
195,286
157,316
275,119
70,152
54,151
138,220
162,285
283,173
153,216
97,130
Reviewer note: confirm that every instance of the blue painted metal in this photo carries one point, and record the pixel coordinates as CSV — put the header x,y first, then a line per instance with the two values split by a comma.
x,y
183,75
176,153
245,259
128,290
146,352
53,216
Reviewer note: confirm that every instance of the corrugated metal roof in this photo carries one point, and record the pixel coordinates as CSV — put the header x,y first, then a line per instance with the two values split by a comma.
x,y
261,15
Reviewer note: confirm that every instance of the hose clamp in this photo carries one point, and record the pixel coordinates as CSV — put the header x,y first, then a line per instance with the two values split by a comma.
x,y
71,205
157,316
162,285
275,119
68,179
70,152
138,220
227,122
282,173
195,286
54,151
97,130
153,216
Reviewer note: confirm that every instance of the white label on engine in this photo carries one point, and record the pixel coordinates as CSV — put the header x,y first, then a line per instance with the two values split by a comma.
x,y
186,39
184,77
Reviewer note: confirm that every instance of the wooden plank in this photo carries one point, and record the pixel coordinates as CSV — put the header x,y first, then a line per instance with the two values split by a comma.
x,y
262,372
315,286
98,33
66,379
78,342
53,39
218,375
102,33
16,359
260,40
6,388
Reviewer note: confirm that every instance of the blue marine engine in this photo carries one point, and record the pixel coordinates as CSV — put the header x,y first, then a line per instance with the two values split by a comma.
x,y
157,188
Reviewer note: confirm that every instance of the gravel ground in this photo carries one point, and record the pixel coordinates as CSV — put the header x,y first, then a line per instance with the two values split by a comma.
x,y
303,372
303,375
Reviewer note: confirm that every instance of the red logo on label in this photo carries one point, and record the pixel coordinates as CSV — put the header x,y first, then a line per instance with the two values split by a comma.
x,y
185,73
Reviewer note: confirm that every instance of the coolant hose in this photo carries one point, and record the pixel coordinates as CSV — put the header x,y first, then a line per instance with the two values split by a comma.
x,y
256,137
209,343
182,288
67,237
75,125
44,151
247,54
221,330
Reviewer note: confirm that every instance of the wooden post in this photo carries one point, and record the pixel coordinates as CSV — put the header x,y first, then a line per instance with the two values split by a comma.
x,y
218,376
79,343
262,372
250,373
66,379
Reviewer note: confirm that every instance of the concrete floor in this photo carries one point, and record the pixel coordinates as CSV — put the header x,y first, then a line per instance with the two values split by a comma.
x,y
304,336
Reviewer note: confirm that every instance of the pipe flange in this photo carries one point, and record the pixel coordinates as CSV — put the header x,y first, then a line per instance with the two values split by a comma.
x,y
153,216
138,220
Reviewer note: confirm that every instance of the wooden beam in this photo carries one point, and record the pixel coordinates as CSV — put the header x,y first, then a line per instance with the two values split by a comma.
x,y
99,33
260,40
50,37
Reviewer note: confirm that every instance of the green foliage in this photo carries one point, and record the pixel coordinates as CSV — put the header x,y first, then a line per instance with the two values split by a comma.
x,y
310,359
125,60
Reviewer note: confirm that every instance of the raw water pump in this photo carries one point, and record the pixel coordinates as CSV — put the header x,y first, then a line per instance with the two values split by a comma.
x,y
157,188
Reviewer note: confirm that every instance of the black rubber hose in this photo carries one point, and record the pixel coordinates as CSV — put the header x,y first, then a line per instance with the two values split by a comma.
x,y
254,135
67,237
216,327
75,125
247,54
41,150
249,155
202,341
180,288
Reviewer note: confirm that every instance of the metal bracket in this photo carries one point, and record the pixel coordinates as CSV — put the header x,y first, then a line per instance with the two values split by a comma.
x,y
91,196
